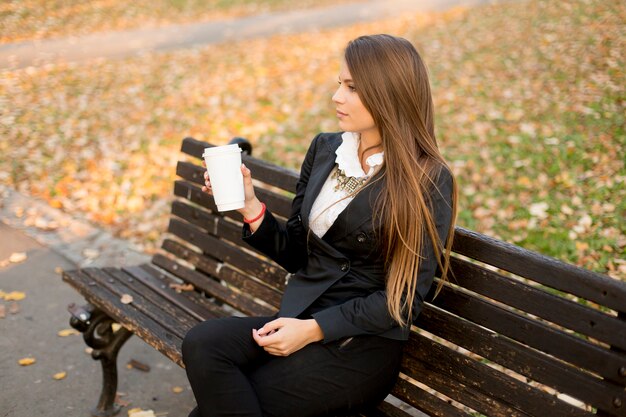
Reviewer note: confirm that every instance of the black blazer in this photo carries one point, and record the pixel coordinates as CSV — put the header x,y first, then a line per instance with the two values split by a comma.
x,y
339,279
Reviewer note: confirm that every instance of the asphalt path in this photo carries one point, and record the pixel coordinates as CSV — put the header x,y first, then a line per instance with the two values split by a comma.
x,y
120,44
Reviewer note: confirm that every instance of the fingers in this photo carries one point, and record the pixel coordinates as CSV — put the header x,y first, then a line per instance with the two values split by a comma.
x,y
270,345
207,184
270,327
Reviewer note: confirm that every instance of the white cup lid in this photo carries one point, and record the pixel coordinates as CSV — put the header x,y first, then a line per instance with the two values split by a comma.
x,y
217,150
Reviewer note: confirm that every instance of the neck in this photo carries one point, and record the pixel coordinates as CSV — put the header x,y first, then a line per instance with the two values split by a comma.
x,y
368,145
368,139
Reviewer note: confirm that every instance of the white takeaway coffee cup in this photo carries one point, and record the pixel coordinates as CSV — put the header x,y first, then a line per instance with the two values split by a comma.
x,y
223,164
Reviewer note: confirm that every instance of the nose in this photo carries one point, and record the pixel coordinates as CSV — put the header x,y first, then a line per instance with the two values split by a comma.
x,y
338,97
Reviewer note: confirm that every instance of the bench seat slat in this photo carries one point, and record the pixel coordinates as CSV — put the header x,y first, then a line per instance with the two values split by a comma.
x,y
148,302
177,324
224,272
267,272
191,302
583,283
147,329
237,300
538,335
558,310
425,401
278,203
519,358
262,170
480,387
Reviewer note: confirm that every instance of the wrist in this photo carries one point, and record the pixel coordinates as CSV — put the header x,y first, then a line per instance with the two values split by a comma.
x,y
252,209
315,331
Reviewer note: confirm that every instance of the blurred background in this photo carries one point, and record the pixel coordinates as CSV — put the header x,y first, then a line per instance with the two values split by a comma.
x,y
529,97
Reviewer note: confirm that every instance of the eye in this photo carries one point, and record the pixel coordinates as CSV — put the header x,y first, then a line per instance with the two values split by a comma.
x,y
351,88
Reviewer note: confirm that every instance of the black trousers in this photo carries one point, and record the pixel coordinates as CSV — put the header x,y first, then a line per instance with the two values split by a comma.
x,y
232,376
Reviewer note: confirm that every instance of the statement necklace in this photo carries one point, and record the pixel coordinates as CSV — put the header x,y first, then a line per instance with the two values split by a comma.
x,y
348,184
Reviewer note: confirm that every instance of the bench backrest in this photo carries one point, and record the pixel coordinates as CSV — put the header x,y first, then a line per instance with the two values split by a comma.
x,y
514,333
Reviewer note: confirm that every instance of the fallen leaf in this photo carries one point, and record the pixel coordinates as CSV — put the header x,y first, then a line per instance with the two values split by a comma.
x,y
17,257
59,375
126,299
138,412
2,311
91,253
177,390
138,365
27,361
14,308
120,401
14,296
67,332
181,287
58,270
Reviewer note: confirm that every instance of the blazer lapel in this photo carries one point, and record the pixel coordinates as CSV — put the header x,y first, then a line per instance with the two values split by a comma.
x,y
322,165
358,211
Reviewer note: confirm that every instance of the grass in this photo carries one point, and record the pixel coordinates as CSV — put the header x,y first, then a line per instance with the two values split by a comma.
x,y
530,113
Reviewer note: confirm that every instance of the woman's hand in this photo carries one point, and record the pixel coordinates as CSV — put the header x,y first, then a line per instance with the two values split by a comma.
x,y
252,206
283,336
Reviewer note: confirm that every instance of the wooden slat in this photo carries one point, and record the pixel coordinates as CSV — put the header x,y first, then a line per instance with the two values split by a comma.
x,y
127,284
237,300
279,204
477,385
140,302
261,170
545,270
519,358
214,224
425,401
147,329
194,194
558,310
191,302
532,332
269,273
224,272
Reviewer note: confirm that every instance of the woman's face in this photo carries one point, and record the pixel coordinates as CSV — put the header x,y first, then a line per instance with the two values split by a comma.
x,y
352,114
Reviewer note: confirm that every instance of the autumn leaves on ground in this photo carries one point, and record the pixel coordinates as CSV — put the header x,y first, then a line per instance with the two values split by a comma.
x,y
530,112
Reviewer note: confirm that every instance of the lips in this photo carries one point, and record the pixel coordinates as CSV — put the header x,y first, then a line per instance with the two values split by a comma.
x,y
340,113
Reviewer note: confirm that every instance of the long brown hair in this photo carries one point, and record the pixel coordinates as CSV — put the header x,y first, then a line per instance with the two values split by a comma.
x,y
392,82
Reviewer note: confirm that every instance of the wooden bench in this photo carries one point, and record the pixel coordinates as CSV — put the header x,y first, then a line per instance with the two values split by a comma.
x,y
514,333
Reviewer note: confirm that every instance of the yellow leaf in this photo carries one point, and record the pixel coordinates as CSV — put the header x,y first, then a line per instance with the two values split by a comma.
x,y
58,270
177,390
17,257
60,375
67,332
27,361
126,299
14,296
138,412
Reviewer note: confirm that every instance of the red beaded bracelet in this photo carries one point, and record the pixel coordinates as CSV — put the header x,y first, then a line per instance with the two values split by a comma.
x,y
257,217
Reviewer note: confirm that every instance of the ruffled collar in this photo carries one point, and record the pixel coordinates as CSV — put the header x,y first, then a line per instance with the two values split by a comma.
x,y
348,158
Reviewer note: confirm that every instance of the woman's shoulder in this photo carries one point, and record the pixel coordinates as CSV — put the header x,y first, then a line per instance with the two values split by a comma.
x,y
329,138
327,141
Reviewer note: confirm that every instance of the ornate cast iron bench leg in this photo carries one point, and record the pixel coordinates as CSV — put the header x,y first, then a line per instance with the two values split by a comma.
x,y
99,335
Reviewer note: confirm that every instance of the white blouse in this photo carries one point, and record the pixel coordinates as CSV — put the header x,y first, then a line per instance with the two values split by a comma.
x,y
324,212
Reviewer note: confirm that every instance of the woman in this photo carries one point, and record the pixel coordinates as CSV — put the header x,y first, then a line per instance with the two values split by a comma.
x,y
373,209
